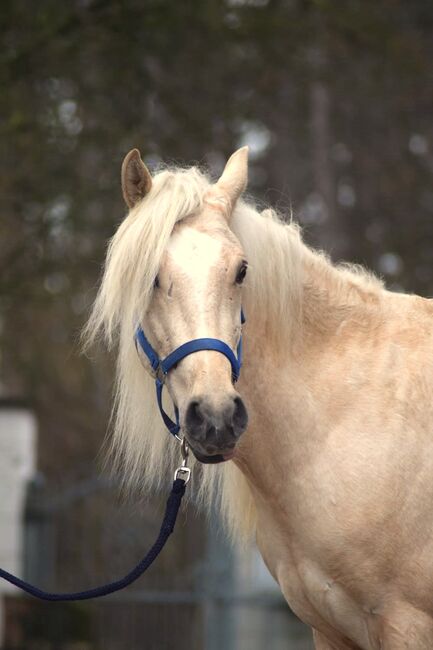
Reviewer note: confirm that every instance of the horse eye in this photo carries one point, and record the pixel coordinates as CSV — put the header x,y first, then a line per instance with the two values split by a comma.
x,y
156,282
241,274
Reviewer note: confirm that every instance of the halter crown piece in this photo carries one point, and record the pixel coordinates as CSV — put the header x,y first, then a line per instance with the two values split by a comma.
x,y
161,367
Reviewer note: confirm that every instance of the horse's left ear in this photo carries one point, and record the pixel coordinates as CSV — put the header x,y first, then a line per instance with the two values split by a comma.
x,y
234,178
136,178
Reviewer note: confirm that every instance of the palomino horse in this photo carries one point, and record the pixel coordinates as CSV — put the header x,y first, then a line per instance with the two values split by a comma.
x,y
334,470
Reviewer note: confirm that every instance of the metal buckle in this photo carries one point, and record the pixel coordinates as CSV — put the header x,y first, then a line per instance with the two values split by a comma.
x,y
157,373
160,374
183,472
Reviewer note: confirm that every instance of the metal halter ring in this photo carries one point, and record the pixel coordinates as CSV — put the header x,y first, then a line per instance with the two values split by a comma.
x,y
183,472
184,449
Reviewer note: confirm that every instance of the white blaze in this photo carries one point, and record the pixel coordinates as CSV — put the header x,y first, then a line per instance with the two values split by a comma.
x,y
196,254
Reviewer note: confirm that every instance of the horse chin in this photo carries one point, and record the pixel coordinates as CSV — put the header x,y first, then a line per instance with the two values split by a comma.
x,y
212,459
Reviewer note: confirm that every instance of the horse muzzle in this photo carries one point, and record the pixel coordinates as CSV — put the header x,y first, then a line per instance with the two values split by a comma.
x,y
213,430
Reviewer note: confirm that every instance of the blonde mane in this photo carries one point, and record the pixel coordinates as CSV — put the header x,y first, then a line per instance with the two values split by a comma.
x,y
143,451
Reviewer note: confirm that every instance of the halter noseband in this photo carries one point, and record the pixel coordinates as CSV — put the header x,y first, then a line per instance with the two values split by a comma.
x,y
160,368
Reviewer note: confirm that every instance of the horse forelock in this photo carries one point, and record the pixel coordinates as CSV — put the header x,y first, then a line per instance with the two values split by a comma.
x,y
139,448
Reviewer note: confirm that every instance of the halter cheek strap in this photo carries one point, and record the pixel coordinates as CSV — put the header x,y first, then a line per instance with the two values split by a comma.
x,y
160,368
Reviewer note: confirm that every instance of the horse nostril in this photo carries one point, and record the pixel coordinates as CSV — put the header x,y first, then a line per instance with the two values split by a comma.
x,y
194,416
240,416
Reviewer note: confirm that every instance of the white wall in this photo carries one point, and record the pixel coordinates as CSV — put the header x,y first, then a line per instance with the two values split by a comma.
x,y
17,467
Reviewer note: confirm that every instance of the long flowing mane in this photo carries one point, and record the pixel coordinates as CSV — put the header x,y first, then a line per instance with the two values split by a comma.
x,y
143,451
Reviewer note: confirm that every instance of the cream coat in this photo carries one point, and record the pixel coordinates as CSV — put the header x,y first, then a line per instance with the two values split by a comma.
x,y
335,471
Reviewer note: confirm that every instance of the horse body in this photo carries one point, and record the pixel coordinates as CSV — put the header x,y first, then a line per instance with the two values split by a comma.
x,y
339,455
334,472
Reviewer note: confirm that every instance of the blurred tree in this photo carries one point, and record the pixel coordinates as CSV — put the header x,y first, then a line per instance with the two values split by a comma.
x,y
334,99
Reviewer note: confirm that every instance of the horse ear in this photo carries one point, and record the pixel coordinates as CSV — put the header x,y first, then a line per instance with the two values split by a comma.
x,y
234,178
136,178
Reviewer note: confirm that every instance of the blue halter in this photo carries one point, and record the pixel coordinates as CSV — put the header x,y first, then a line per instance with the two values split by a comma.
x,y
160,368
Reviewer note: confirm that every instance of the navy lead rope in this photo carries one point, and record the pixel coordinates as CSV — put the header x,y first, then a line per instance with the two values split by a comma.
x,y
160,369
173,504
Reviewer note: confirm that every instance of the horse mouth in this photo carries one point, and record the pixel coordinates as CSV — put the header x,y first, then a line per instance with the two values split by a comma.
x,y
212,459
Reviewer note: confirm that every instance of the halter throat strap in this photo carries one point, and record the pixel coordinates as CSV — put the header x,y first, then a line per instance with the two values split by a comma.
x,y
160,368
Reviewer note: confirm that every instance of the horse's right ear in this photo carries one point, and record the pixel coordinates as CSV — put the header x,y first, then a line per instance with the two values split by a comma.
x,y
136,178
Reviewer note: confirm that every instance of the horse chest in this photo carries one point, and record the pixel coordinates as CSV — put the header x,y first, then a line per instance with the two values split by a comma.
x,y
314,596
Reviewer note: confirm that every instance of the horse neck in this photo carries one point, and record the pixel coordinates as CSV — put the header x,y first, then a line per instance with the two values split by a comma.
x,y
310,297
281,381
333,296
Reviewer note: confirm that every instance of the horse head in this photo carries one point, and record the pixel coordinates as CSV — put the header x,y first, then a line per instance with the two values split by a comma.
x,y
197,296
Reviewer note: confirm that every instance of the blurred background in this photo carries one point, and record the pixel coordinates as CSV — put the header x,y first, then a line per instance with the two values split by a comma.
x,y
335,101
